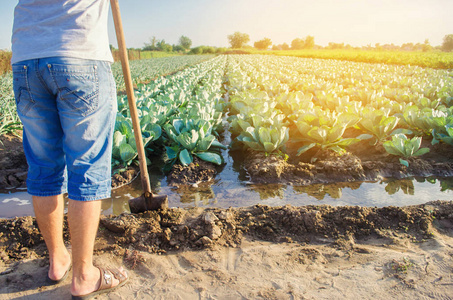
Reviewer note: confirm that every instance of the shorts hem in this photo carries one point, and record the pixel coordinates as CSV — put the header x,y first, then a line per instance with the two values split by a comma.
x,y
89,198
46,194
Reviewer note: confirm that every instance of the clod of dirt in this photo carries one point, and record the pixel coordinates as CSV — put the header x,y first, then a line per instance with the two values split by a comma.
x,y
194,173
13,165
347,166
262,168
17,236
125,177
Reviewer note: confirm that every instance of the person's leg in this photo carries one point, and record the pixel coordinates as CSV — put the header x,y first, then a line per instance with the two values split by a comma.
x,y
49,215
83,218
87,110
43,147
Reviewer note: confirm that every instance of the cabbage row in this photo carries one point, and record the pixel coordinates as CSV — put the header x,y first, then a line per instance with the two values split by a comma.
x,y
148,69
314,102
181,112
273,101
141,71
9,120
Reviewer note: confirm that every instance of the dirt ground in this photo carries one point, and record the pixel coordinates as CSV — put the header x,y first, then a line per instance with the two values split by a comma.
x,y
259,252
362,163
196,172
13,165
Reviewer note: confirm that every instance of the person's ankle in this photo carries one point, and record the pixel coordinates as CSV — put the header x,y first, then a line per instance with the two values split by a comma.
x,y
85,281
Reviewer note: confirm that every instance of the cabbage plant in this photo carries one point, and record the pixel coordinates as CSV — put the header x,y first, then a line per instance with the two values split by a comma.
x,y
423,121
251,101
378,123
241,122
188,137
446,137
124,150
325,131
292,102
402,146
325,137
264,139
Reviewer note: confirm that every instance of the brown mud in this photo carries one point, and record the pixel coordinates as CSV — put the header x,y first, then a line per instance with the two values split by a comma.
x,y
125,177
193,174
362,163
307,252
13,165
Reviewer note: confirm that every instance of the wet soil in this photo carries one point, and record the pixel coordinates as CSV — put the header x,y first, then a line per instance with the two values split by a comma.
x,y
13,165
362,163
197,228
193,174
124,177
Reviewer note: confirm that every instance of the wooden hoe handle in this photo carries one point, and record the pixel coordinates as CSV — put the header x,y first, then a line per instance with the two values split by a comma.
x,y
130,95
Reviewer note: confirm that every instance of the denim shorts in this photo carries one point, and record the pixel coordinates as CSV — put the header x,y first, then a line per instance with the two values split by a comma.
x,y
68,108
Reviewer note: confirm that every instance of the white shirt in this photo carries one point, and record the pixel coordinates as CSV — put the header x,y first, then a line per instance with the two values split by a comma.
x,y
71,28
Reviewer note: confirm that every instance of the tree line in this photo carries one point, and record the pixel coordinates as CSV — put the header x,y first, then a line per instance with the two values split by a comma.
x,y
239,40
184,46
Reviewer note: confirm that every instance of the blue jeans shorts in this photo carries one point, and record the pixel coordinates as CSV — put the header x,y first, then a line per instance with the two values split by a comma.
x,y
68,108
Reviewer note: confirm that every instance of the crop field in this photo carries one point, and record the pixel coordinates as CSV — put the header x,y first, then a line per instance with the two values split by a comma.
x,y
320,99
291,119
311,146
186,106
430,59
147,69
353,158
273,101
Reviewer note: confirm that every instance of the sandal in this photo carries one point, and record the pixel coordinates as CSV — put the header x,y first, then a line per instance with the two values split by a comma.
x,y
106,283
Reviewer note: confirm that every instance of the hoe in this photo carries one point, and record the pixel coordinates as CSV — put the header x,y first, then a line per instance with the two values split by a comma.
x,y
147,201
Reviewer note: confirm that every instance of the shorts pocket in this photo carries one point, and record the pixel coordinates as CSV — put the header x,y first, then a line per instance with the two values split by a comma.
x,y
78,87
22,94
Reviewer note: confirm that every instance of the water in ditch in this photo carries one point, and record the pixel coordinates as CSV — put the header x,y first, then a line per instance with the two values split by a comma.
x,y
232,189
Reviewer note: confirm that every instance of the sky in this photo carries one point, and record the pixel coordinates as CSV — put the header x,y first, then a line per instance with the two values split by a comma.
x,y
209,22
